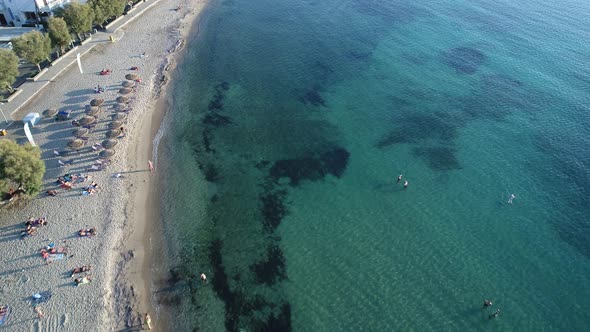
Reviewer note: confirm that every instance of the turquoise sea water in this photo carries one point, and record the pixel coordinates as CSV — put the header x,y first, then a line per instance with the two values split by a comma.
x,y
291,122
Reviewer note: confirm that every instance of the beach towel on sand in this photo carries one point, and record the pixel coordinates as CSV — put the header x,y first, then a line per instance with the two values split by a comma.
x,y
56,257
4,316
41,297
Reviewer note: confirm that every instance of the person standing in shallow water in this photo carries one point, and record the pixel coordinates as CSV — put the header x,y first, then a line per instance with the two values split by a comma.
x,y
495,314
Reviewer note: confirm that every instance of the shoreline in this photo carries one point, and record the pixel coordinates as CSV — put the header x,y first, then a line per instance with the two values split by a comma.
x,y
144,269
125,210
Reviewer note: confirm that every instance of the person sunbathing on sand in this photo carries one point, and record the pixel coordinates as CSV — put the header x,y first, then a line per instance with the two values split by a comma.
x,y
84,280
81,269
88,232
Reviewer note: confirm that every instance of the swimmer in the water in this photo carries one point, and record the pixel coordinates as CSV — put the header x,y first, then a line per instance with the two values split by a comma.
x,y
399,178
406,184
510,198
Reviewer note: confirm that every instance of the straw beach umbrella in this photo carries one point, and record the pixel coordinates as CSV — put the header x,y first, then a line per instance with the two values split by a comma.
x,y
80,132
132,76
122,99
87,120
125,91
106,153
109,143
113,133
96,102
119,116
120,106
115,124
49,113
92,110
76,143
128,84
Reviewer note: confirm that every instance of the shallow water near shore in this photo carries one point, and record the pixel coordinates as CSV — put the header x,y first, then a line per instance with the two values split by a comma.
x,y
290,123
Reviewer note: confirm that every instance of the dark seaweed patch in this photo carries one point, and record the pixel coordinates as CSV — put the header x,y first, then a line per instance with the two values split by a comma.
x,y
414,128
273,209
312,168
296,170
439,158
279,322
360,56
236,304
214,198
569,166
272,269
216,120
221,286
216,102
498,97
313,97
335,161
262,164
207,135
465,60
211,173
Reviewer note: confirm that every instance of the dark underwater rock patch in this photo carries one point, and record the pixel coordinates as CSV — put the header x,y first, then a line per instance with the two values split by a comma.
x,y
439,158
273,208
311,168
465,60
272,269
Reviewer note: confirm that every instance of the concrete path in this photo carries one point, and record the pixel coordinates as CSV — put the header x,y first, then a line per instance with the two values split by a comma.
x,y
15,109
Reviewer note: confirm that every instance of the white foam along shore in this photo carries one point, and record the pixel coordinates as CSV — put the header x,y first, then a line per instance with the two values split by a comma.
x,y
109,302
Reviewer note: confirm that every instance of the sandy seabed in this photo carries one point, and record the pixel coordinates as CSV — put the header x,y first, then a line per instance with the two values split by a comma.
x,y
124,210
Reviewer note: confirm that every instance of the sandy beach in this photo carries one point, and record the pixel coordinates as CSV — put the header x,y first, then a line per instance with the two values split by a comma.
x,y
124,210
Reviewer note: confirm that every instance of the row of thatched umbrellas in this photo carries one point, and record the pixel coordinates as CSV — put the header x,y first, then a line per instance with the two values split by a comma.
x,y
93,110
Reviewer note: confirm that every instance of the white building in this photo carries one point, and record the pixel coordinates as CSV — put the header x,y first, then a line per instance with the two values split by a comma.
x,y
27,13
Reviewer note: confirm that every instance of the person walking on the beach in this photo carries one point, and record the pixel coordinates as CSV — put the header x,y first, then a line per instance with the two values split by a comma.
x,y
203,278
148,321
39,312
151,166
399,178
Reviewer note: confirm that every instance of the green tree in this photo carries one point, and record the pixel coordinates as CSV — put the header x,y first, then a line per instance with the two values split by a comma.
x,y
59,33
105,9
8,68
78,16
20,167
33,46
